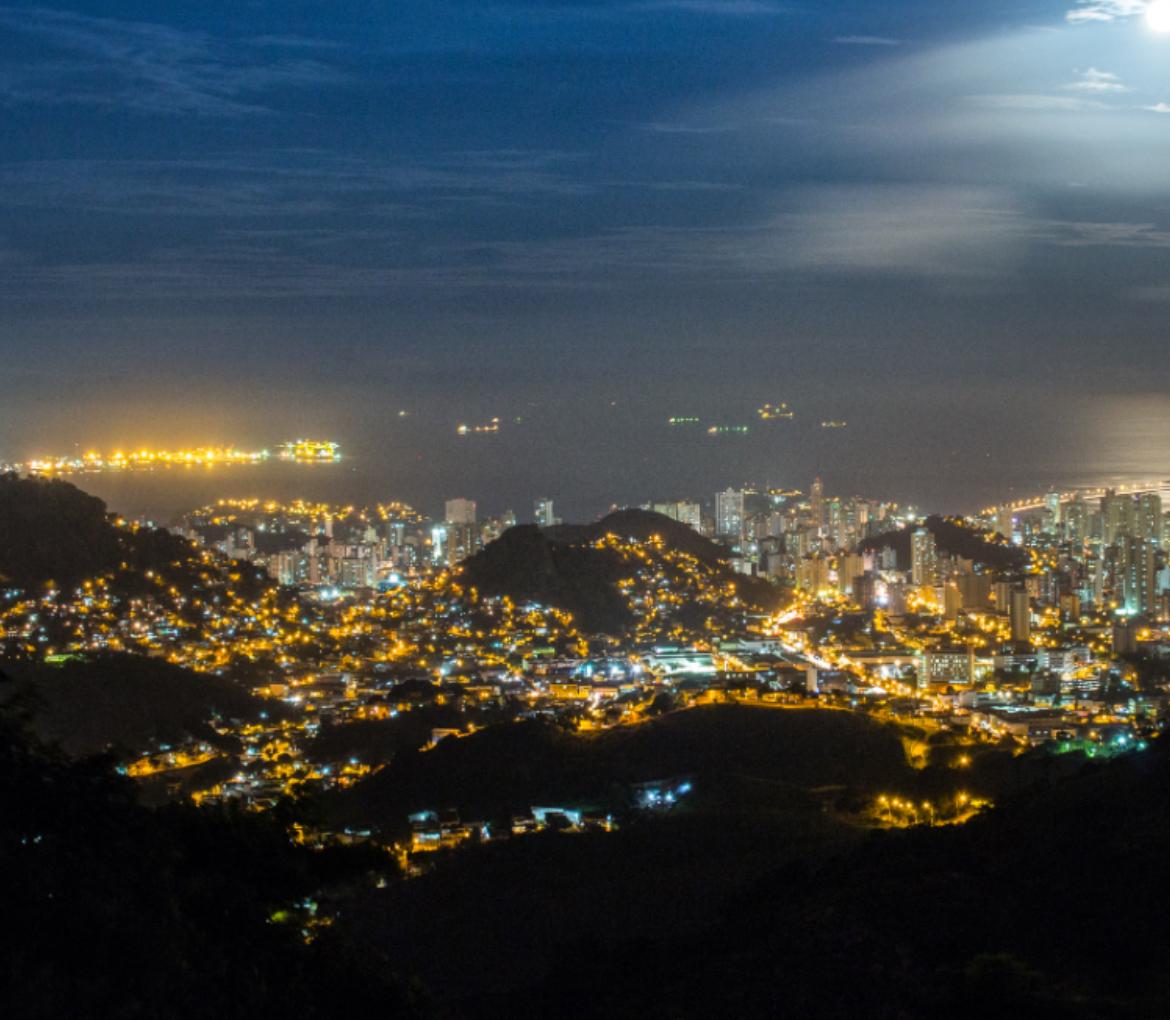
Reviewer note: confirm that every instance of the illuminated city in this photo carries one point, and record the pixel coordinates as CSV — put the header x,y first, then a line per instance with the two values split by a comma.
x,y
300,451
627,508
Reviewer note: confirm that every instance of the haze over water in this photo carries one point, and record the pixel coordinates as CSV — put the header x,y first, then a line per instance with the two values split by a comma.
x,y
590,458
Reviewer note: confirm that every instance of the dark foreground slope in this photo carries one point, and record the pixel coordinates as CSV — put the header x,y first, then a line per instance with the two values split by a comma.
x,y
114,910
1046,906
1043,908
127,704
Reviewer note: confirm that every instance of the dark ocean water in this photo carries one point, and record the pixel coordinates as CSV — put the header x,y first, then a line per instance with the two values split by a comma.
x,y
951,456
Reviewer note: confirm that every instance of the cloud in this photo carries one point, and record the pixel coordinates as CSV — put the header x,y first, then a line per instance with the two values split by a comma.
x,y
1039,102
286,184
734,8
145,67
1105,10
866,40
625,8
679,128
922,230
1158,108
1095,81
1104,235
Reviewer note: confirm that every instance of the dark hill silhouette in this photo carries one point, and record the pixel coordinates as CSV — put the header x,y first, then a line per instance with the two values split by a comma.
x,y
1028,910
128,704
507,768
526,565
52,532
973,921
560,566
642,525
115,910
982,547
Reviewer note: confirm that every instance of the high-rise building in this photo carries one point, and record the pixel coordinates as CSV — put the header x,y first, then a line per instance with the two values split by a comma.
x,y
1052,505
1118,516
729,514
690,514
544,513
439,544
1149,518
1005,523
494,527
812,574
1076,521
463,540
1021,615
817,502
952,600
355,572
850,567
1137,572
923,557
460,511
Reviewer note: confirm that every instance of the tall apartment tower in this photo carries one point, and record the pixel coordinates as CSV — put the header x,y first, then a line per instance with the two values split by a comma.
x,y
1137,569
923,557
460,511
729,514
1149,518
544,513
1118,516
1021,615
816,502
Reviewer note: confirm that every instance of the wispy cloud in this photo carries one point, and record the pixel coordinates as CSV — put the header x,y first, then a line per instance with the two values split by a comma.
x,y
1105,10
1038,102
1158,108
627,8
1099,82
679,128
1104,235
152,68
287,183
737,8
866,40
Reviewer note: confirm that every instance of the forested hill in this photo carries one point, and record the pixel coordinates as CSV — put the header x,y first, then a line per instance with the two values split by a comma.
x,y
957,539
571,568
52,533
641,525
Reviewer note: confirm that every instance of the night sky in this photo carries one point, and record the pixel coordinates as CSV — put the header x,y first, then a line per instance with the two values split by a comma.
x,y
945,221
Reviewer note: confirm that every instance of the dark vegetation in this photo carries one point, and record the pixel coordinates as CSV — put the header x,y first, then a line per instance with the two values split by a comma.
x,y
1028,911
1031,910
560,567
53,534
526,565
731,752
124,703
957,539
115,910
641,525
376,741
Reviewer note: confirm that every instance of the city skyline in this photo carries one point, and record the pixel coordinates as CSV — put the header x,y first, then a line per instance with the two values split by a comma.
x,y
584,508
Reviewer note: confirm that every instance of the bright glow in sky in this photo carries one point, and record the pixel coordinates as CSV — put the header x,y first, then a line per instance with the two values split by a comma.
x,y
1158,15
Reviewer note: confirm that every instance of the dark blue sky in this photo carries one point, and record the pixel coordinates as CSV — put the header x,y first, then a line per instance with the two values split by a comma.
x,y
947,222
